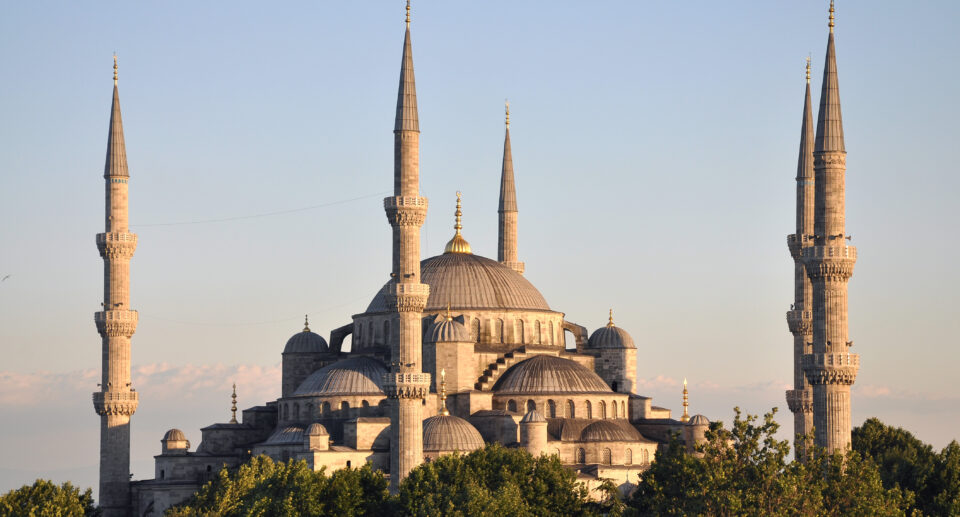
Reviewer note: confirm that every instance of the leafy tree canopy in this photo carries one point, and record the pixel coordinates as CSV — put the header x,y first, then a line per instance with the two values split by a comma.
x,y
46,499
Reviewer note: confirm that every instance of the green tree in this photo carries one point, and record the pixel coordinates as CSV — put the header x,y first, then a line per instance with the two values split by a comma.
x,y
262,487
46,499
492,481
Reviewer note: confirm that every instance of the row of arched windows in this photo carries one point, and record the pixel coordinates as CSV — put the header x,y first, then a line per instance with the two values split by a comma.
x,y
615,409
291,411
371,335
523,333
606,456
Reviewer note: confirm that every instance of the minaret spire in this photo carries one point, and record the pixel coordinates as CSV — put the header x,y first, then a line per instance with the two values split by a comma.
x,y
406,385
507,212
800,315
233,405
830,367
686,402
117,400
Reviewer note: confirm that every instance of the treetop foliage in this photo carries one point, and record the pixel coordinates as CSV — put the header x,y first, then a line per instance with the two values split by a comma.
x,y
46,499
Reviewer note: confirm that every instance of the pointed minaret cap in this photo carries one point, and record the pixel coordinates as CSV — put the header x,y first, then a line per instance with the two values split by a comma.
x,y
116,163
458,244
830,119
508,189
407,119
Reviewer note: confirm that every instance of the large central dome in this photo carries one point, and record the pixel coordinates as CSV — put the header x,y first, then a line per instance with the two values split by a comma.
x,y
464,281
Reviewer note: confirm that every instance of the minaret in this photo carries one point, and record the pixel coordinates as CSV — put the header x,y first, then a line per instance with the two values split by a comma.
x,y
686,400
800,315
830,368
116,401
406,385
507,243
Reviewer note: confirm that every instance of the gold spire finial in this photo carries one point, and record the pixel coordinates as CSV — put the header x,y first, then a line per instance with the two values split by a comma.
x,y
610,323
808,69
458,244
832,10
443,392
449,317
686,403
306,323
408,13
233,407
507,104
114,68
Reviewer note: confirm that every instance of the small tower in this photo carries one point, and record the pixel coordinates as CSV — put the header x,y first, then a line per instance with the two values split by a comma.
x,y
233,405
304,353
800,315
533,432
507,242
616,356
686,402
117,400
406,385
830,368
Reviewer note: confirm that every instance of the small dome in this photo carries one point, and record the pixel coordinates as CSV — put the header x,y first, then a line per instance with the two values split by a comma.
x,y
359,375
316,429
608,431
550,374
698,420
174,435
305,342
450,433
533,416
610,336
446,330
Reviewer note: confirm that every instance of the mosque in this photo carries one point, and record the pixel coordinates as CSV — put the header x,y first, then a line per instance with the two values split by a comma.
x,y
455,351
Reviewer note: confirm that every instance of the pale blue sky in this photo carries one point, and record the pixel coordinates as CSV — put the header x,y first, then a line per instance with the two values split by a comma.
x,y
655,146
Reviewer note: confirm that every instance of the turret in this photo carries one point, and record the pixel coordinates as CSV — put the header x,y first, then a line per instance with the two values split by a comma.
x,y
616,356
533,432
507,242
830,368
406,385
117,400
303,354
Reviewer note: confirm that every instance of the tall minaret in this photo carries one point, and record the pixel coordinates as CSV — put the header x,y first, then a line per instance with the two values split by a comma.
x,y
830,368
116,401
507,246
800,315
406,385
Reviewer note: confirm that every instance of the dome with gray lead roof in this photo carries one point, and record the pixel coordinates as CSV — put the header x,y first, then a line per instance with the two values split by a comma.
x,y
609,431
549,374
316,429
610,336
448,331
174,435
463,281
698,420
360,375
450,433
305,342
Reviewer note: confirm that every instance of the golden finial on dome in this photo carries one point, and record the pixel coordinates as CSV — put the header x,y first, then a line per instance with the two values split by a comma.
x,y
443,392
233,407
449,317
686,402
408,13
458,244
610,323
808,69
114,68
832,10
507,103
306,323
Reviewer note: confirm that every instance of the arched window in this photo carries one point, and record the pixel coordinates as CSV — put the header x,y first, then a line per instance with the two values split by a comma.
x,y
308,411
325,408
551,409
629,457
386,332
162,474
536,332
286,411
571,410
589,410
603,409
613,407
296,411
581,455
512,406
344,405
372,337
365,404
475,331
499,330
551,336
607,457
531,406
646,456
520,337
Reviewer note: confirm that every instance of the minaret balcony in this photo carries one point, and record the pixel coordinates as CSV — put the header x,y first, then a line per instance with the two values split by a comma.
x,y
836,368
800,322
406,385
115,402
406,210
116,244
797,242
116,322
800,401
830,262
407,297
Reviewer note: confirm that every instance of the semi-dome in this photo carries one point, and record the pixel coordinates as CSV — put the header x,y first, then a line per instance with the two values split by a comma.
x,y
698,420
447,330
291,434
549,374
450,433
174,435
463,281
608,431
610,336
316,429
360,375
305,342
